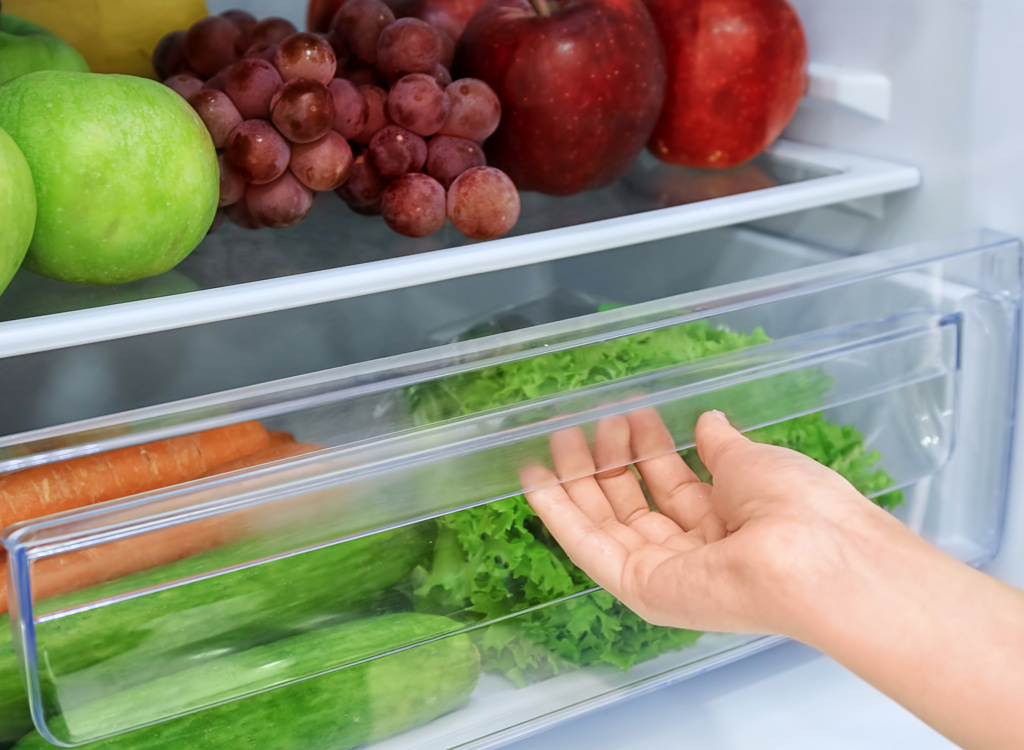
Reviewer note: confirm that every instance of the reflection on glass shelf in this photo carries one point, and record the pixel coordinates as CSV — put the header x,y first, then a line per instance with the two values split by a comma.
x,y
333,236
29,294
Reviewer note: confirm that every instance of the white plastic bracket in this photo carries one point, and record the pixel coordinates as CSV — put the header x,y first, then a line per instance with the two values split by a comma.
x,y
862,92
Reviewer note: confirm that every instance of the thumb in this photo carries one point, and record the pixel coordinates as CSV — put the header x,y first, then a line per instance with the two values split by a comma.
x,y
715,437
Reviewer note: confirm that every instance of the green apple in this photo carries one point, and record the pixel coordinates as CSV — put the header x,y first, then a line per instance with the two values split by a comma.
x,y
125,174
17,208
26,47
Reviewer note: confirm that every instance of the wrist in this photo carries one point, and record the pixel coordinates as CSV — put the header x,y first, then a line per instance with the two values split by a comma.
x,y
860,562
937,636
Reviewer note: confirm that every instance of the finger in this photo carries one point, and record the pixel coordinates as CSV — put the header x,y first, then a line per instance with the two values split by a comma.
x,y
613,457
715,437
596,550
676,490
612,448
575,468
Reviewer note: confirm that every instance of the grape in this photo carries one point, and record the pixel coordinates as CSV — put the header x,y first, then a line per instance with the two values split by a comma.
x,y
251,83
306,55
448,157
212,43
364,74
232,184
240,215
448,18
418,103
447,47
242,19
442,76
217,83
185,84
168,55
376,112
483,203
281,203
358,24
350,108
258,151
322,164
408,45
303,110
319,15
341,51
414,205
395,151
263,51
217,112
272,30
364,187
475,110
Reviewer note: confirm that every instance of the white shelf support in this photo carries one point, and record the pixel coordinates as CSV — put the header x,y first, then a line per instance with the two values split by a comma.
x,y
863,92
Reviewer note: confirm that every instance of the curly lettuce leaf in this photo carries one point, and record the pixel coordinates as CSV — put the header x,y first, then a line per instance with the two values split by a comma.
x,y
495,560
498,559
558,372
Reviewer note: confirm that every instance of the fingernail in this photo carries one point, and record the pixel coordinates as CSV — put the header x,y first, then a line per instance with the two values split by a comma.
x,y
720,416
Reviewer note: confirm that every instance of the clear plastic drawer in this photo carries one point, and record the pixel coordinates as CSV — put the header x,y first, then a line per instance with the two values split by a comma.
x,y
389,587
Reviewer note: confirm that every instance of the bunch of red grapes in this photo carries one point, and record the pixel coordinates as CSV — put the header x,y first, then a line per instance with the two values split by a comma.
x,y
368,110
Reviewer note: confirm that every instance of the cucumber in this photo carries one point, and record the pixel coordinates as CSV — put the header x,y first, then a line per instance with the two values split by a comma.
x,y
14,718
111,648
344,709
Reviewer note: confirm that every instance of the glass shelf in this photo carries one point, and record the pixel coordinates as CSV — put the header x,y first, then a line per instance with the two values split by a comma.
x,y
335,254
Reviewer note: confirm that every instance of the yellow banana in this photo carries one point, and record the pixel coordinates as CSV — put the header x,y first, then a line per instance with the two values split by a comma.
x,y
114,36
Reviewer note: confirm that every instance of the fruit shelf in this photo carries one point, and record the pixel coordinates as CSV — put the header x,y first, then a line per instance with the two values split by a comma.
x,y
336,254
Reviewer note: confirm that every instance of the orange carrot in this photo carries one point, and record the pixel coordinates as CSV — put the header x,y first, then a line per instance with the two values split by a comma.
x,y
265,456
279,437
80,569
65,485
52,576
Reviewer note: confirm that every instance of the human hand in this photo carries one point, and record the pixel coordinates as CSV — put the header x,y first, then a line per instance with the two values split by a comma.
x,y
753,553
783,545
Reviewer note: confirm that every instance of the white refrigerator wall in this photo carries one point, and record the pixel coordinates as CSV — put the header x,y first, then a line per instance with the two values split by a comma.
x,y
954,66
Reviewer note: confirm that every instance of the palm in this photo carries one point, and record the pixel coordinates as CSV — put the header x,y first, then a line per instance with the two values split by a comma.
x,y
698,553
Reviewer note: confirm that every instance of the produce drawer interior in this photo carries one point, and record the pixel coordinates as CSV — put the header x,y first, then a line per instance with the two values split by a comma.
x,y
395,567
67,384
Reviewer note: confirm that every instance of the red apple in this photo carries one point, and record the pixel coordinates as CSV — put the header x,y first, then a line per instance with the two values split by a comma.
x,y
736,72
581,83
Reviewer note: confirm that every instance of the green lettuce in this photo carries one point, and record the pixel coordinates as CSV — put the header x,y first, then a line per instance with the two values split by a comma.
x,y
497,560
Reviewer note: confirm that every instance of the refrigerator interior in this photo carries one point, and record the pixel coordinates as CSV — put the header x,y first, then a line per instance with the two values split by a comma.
x,y
332,308
944,62
911,347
